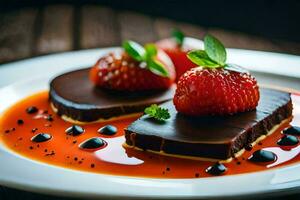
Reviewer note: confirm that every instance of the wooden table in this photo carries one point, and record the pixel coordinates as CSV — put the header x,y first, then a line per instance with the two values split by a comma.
x,y
30,32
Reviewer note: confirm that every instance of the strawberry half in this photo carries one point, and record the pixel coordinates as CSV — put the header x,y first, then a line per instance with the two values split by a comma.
x,y
215,88
119,71
215,92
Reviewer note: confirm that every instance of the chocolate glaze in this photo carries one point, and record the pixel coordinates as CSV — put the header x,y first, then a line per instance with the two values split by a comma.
x,y
262,156
210,136
31,110
288,140
74,130
216,169
75,96
93,143
293,130
108,130
41,137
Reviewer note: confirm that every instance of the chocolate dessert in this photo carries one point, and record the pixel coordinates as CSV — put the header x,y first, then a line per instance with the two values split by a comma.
x,y
212,137
75,97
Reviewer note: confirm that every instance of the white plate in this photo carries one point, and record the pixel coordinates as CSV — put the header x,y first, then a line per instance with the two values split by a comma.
x,y
19,172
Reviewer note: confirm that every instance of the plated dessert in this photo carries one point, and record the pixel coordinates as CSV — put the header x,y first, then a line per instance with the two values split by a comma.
x,y
130,114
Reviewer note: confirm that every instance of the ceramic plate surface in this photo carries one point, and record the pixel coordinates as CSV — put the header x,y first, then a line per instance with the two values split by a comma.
x,y
22,78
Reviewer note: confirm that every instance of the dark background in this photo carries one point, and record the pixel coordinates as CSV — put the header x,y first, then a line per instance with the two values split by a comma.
x,y
275,19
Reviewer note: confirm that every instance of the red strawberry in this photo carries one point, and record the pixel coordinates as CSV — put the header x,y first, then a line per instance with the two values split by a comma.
x,y
219,91
177,55
122,72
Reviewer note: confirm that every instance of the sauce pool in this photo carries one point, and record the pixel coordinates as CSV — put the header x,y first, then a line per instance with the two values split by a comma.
x,y
18,127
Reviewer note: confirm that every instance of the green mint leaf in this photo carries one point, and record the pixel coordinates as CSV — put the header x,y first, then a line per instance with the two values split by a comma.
x,y
135,50
158,113
151,50
200,57
178,36
157,67
215,49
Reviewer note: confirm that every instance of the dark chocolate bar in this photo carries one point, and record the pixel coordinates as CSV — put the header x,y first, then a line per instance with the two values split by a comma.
x,y
215,137
73,95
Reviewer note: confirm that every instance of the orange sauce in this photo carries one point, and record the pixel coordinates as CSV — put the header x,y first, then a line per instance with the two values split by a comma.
x,y
62,149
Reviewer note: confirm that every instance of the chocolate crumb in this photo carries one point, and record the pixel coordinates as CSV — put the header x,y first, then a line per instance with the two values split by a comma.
x,y
248,147
20,122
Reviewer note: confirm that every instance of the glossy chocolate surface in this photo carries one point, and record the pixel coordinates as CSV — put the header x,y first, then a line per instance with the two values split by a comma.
x,y
211,137
75,96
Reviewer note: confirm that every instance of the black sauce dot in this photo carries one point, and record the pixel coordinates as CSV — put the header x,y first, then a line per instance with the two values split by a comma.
x,y
31,147
293,130
80,162
197,175
49,118
75,158
45,111
7,131
41,137
108,130
34,130
75,141
46,150
288,140
260,143
163,172
12,129
238,162
216,169
38,146
31,110
20,122
92,143
74,130
92,165
262,156
168,169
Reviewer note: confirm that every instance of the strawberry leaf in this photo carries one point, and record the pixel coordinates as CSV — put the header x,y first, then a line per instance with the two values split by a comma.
x,y
200,57
135,50
158,113
215,49
178,36
151,50
157,67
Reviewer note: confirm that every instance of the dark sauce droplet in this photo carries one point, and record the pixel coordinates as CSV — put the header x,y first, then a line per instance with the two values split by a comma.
x,y
216,169
74,130
262,156
288,140
293,130
31,110
108,130
41,137
20,122
93,143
